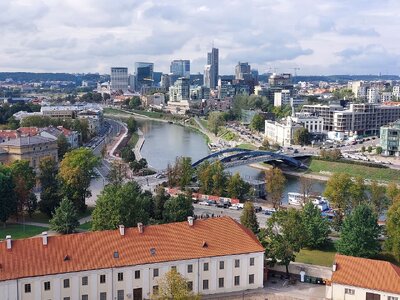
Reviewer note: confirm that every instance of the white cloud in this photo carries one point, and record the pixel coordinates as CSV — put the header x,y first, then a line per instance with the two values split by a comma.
x,y
329,37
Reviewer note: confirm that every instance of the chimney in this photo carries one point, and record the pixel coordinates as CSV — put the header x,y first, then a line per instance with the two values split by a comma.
x,y
140,227
190,221
8,242
334,267
44,238
122,230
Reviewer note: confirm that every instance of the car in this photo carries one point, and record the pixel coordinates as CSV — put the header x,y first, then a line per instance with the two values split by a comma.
x,y
296,151
234,207
269,211
257,208
205,203
212,203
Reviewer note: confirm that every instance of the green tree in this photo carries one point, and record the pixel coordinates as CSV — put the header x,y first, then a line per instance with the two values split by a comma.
x,y
24,180
378,150
237,187
301,136
377,197
248,218
215,120
178,208
258,123
218,178
369,149
337,190
132,125
124,204
357,192
127,154
159,201
284,237
363,149
118,173
359,235
186,171
65,217
50,196
8,201
76,170
204,177
393,230
173,286
275,185
134,102
316,228
392,191
63,145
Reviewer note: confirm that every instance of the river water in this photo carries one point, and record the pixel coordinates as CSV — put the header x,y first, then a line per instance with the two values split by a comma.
x,y
164,142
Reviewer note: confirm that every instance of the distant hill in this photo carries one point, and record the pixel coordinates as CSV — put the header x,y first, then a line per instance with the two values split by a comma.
x,y
37,77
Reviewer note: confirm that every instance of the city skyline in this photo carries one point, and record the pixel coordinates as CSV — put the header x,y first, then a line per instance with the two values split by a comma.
x,y
333,37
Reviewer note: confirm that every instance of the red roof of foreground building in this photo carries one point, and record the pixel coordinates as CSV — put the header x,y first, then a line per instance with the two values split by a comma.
x,y
95,250
367,273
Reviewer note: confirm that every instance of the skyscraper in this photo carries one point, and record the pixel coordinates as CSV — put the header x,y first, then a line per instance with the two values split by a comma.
x,y
180,68
119,79
212,61
144,74
242,70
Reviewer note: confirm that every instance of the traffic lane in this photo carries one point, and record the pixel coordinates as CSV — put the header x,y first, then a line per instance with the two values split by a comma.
x,y
202,210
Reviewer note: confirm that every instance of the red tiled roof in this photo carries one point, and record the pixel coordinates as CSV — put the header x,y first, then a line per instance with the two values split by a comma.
x,y
31,131
367,273
94,250
65,131
12,134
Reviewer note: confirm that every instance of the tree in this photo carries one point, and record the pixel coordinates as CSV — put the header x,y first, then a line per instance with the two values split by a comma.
x,y
306,187
32,204
357,192
103,151
215,120
258,122
8,201
132,125
24,180
76,170
275,185
237,187
204,177
118,173
359,235
393,230
50,196
218,178
363,149
248,218
285,237
124,204
134,102
369,149
392,191
178,208
65,217
173,286
186,171
63,146
266,145
127,154
378,150
377,197
159,201
316,228
337,191
301,136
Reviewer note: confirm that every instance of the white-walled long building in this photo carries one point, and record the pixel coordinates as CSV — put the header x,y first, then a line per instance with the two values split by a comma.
x,y
215,255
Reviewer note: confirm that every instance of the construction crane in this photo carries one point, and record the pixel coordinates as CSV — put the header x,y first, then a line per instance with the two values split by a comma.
x,y
295,71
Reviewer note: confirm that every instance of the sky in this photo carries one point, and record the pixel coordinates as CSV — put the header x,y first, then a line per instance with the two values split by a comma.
x,y
318,37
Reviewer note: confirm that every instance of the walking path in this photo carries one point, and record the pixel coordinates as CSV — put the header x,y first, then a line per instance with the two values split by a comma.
x,y
125,129
215,140
139,145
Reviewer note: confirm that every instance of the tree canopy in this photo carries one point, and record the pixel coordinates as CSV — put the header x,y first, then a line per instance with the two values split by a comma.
x,y
316,228
215,120
50,196
8,201
178,208
393,230
275,185
301,136
248,218
65,217
258,122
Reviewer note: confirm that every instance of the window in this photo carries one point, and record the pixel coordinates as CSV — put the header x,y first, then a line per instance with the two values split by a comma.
x,y
237,280
47,286
103,278
173,268
155,272
221,282
66,283
120,276
251,261
155,289
137,274
393,298
67,298
27,288
120,294
190,268
237,263
84,280
251,278
205,267
221,265
349,291
190,285
85,297
103,296
205,284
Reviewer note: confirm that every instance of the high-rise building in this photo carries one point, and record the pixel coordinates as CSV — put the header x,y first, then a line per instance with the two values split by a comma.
x,y
144,74
207,76
180,68
242,70
119,79
212,62
180,90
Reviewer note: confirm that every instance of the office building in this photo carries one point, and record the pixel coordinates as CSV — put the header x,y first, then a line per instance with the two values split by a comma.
x,y
119,79
242,71
180,68
212,68
144,74
180,90
390,139
373,95
207,76
281,132
129,263
280,80
282,98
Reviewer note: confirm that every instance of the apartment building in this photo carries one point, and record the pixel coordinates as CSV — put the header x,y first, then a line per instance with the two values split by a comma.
x,y
324,111
390,139
215,255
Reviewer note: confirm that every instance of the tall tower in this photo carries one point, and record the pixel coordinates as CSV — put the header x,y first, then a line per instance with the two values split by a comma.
x,y
212,61
119,79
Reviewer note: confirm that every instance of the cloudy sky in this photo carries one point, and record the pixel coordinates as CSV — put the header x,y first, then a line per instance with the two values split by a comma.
x,y
319,37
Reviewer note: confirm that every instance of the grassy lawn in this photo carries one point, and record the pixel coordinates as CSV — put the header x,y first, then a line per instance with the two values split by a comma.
x,y
317,257
151,114
86,226
133,141
355,170
19,231
114,111
246,146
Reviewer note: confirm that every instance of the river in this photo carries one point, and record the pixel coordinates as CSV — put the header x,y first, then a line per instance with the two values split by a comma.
x,y
164,142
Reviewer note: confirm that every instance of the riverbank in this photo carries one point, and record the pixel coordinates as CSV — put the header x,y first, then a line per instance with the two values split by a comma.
x,y
265,167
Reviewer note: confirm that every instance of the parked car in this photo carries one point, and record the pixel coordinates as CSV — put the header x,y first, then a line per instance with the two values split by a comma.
x,y
269,211
212,203
204,203
257,208
234,207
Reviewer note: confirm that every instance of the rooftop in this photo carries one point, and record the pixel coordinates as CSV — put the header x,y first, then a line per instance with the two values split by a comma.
x,y
96,250
367,273
25,141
